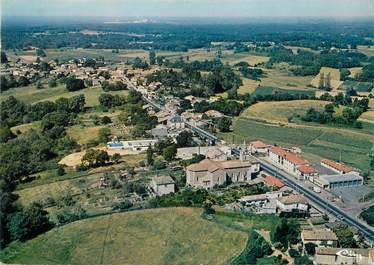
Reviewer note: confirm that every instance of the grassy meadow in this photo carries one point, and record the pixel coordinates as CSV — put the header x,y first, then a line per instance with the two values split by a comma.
x,y
279,111
30,94
155,236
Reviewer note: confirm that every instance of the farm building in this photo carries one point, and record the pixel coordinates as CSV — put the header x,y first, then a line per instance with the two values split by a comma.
x,y
339,181
321,238
163,185
291,163
209,173
292,202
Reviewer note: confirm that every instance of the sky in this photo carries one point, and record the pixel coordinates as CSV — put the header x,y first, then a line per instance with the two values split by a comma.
x,y
189,8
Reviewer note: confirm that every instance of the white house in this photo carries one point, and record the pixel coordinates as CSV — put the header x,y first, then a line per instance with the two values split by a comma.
x,y
292,202
163,185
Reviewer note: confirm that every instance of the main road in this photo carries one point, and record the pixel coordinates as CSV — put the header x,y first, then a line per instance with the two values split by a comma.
x,y
289,180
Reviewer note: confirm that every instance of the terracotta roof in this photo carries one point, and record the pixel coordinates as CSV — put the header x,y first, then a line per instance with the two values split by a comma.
x,y
337,166
259,144
306,169
273,181
318,235
211,166
288,155
293,199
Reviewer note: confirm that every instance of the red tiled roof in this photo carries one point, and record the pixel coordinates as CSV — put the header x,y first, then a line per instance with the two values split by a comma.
x,y
337,166
211,165
259,144
306,169
288,155
273,181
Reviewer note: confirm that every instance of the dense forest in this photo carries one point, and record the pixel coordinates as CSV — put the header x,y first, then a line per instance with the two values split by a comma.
x,y
179,36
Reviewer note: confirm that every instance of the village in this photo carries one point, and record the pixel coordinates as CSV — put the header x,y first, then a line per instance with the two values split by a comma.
x,y
215,165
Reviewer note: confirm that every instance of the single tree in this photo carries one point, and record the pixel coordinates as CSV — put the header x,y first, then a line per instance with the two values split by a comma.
x,y
150,156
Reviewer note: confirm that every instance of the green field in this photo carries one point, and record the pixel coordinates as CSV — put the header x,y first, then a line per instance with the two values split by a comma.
x,y
156,236
280,111
30,94
266,90
353,146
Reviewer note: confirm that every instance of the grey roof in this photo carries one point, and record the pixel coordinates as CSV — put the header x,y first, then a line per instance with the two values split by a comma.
x,y
176,119
341,177
162,180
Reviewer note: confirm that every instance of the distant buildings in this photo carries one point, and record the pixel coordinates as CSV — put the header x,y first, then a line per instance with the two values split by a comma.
x,y
209,173
163,185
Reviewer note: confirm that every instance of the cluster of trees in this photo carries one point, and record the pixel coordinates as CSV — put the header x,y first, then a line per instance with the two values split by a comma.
x,y
368,215
74,84
116,86
345,236
285,233
173,37
220,78
186,197
95,158
139,63
14,112
248,72
227,107
223,124
367,74
309,63
256,248
168,149
351,112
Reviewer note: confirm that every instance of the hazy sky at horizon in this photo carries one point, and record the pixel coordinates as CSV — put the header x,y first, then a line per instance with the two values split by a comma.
x,y
189,8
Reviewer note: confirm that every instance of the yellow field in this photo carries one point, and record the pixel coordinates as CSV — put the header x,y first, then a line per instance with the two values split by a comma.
x,y
154,236
83,134
354,71
233,58
334,74
249,86
368,50
25,127
367,116
280,111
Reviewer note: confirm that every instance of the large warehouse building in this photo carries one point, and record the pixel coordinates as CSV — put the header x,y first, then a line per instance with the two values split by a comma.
x,y
339,181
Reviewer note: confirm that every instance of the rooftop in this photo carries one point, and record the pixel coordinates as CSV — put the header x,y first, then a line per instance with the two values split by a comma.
x,y
259,144
340,177
273,181
211,165
345,251
293,199
288,155
337,166
162,180
318,235
307,169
